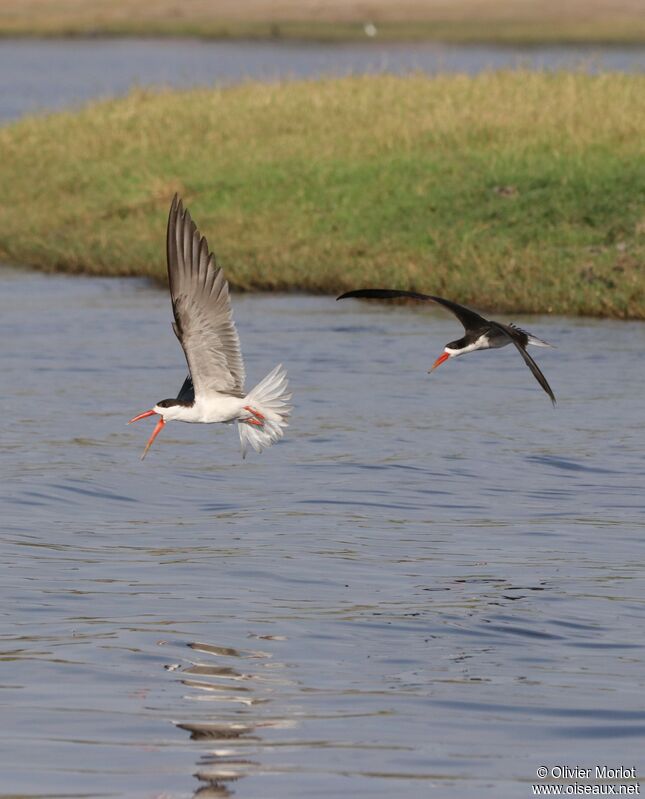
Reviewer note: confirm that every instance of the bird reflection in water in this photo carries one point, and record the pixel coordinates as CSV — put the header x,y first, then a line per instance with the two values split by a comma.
x,y
218,768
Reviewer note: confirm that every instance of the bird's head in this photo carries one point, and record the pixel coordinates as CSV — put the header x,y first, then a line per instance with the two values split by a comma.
x,y
166,410
451,350
170,409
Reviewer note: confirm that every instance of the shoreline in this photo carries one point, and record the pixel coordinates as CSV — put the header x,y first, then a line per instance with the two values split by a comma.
x,y
160,283
637,42
526,38
492,189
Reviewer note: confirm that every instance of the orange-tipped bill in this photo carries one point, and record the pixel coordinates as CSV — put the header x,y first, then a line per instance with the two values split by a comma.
x,y
443,357
159,427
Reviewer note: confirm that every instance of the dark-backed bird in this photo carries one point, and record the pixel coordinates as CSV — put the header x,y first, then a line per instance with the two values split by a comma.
x,y
481,334
214,388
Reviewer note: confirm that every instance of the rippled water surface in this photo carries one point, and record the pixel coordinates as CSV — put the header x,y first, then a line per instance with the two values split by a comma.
x,y
432,586
37,75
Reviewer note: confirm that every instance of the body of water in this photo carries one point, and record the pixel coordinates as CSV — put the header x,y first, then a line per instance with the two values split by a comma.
x,y
432,586
38,75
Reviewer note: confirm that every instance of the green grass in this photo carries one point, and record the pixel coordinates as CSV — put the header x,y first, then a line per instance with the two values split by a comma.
x,y
516,191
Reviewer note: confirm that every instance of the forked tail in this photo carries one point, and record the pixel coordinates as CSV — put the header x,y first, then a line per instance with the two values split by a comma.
x,y
538,342
270,400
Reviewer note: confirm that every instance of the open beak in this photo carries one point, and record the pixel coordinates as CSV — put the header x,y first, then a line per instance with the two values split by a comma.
x,y
155,432
443,357
142,416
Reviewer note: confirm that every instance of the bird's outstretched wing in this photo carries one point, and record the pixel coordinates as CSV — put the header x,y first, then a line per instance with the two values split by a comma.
x,y
202,308
469,319
516,335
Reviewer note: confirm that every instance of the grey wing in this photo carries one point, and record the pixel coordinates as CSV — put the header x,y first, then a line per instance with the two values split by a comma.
x,y
468,318
514,334
202,308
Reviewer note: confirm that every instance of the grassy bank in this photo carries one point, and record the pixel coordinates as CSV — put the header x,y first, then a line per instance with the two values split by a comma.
x,y
514,191
494,21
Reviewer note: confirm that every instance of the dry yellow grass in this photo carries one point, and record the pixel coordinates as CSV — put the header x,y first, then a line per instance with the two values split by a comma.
x,y
484,20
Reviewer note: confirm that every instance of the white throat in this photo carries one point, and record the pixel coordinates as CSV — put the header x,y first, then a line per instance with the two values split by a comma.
x,y
482,343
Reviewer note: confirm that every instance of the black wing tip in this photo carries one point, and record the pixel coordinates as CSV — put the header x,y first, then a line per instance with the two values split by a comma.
x,y
355,293
348,294
383,294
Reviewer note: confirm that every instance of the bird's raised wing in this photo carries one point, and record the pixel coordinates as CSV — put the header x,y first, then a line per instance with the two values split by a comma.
x,y
469,319
516,335
202,308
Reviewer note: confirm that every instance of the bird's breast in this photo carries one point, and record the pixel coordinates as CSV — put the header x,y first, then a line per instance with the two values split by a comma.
x,y
216,408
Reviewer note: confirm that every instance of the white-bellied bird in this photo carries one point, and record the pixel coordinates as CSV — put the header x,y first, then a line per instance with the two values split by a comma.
x,y
480,333
214,388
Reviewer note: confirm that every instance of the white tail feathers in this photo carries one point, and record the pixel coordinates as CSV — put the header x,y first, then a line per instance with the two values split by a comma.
x,y
537,342
271,399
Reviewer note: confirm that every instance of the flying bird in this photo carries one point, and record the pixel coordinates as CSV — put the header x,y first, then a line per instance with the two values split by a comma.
x,y
214,388
481,334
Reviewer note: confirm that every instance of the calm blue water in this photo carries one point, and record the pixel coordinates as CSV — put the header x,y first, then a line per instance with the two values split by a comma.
x,y
39,75
431,587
